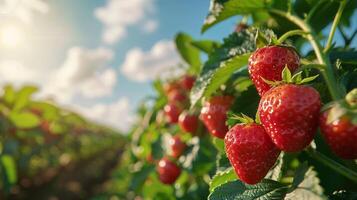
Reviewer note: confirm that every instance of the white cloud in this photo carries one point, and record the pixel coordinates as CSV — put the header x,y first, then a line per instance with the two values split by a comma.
x,y
84,72
159,61
102,84
117,114
117,15
15,72
150,26
24,10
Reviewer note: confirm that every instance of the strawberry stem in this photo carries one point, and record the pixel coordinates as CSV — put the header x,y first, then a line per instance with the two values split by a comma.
x,y
337,167
289,34
335,24
322,58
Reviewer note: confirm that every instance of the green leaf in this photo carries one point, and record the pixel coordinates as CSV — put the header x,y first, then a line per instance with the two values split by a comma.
x,y
23,97
306,185
237,190
207,46
247,102
140,176
325,9
221,178
9,167
24,120
345,56
223,9
211,81
9,94
187,51
219,144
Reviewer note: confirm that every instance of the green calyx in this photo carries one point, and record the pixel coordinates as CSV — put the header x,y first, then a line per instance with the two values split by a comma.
x,y
351,98
287,77
234,119
347,107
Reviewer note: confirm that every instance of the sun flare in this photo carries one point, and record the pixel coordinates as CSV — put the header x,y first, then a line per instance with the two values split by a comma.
x,y
11,36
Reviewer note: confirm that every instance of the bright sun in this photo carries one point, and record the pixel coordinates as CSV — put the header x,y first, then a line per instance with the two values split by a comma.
x,y
11,36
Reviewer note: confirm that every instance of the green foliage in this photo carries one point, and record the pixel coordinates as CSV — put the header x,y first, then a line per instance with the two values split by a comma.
x,y
188,52
221,178
267,189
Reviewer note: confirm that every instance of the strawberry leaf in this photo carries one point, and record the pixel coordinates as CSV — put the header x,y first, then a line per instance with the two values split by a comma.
x,y
306,185
267,189
221,178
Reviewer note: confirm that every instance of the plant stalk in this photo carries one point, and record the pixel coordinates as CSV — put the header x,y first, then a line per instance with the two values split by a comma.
x,y
337,167
289,34
335,23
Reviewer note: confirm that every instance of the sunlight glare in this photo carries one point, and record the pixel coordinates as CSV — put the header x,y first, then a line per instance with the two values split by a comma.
x,y
11,36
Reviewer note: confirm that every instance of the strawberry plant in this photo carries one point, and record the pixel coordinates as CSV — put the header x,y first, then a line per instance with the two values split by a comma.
x,y
277,101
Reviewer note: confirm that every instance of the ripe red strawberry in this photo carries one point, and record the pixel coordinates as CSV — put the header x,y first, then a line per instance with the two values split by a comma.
x,y
188,81
340,135
214,115
268,63
188,122
289,114
172,112
250,151
168,171
177,147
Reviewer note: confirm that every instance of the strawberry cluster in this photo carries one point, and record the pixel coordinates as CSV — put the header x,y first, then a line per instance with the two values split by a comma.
x,y
176,112
289,116
288,113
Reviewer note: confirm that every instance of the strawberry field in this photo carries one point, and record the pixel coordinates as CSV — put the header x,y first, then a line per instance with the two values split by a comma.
x,y
267,112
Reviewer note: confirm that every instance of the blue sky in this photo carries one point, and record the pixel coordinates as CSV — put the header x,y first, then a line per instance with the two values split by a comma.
x,y
59,46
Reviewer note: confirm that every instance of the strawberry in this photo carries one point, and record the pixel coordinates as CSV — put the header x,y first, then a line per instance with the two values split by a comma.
x,y
168,171
177,147
188,81
172,112
340,135
250,151
289,114
268,63
214,115
188,122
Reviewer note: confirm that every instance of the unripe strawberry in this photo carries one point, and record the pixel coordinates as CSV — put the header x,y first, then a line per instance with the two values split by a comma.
x,y
214,115
340,135
250,151
268,63
177,147
188,122
168,171
290,114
